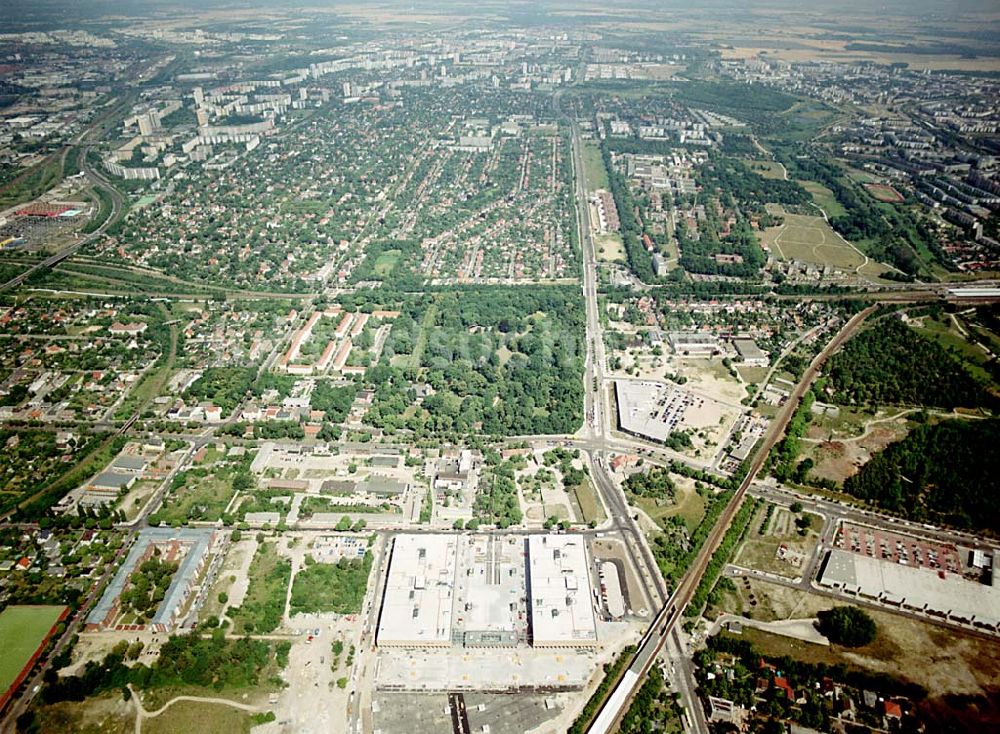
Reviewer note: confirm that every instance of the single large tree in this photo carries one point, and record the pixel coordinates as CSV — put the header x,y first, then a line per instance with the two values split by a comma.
x,y
847,626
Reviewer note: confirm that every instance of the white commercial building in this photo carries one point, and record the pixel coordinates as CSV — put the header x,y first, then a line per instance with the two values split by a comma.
x,y
611,588
489,599
651,409
940,594
562,614
693,343
481,591
417,605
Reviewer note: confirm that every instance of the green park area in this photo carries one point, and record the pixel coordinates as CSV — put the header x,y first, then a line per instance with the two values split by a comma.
x,y
767,169
810,239
824,198
331,587
23,629
386,262
264,604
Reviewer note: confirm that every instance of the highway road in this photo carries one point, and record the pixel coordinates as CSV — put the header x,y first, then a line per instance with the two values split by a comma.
x,y
594,418
595,435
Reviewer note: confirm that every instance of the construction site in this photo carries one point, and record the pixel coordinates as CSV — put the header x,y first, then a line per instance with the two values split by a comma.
x,y
450,601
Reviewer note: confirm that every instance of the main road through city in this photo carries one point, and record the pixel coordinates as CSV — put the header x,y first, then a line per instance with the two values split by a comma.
x,y
596,436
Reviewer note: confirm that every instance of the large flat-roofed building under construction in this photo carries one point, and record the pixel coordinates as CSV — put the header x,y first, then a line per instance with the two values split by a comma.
x,y
562,614
417,603
481,591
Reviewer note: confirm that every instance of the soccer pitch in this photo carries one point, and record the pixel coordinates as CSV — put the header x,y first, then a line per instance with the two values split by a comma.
x,y
22,631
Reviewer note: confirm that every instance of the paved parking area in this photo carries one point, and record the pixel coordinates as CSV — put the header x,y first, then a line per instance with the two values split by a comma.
x,y
399,712
905,550
484,668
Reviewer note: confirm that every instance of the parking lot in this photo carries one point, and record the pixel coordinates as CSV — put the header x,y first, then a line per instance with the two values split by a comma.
x,y
467,669
905,550
398,712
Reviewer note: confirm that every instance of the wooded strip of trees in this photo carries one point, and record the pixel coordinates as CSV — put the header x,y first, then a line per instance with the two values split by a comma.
x,y
187,660
639,260
737,530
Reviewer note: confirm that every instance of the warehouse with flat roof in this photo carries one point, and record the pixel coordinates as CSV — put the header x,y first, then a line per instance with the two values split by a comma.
x,y
651,410
562,613
693,343
490,601
486,590
945,595
419,589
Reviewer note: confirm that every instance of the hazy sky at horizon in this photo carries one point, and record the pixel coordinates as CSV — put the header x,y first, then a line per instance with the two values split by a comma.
x,y
986,12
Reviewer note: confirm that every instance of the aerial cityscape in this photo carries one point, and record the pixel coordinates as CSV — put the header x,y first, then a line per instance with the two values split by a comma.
x,y
499,367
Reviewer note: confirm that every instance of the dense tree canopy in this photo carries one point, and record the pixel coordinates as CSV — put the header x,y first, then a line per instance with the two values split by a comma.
x,y
847,626
891,364
939,472
503,361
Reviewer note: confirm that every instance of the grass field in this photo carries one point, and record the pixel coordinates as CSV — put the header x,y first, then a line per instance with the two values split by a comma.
x,y
590,506
752,375
593,167
202,498
824,198
811,240
106,713
610,247
861,176
22,631
195,716
759,551
412,360
943,661
264,604
689,505
768,169
386,262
